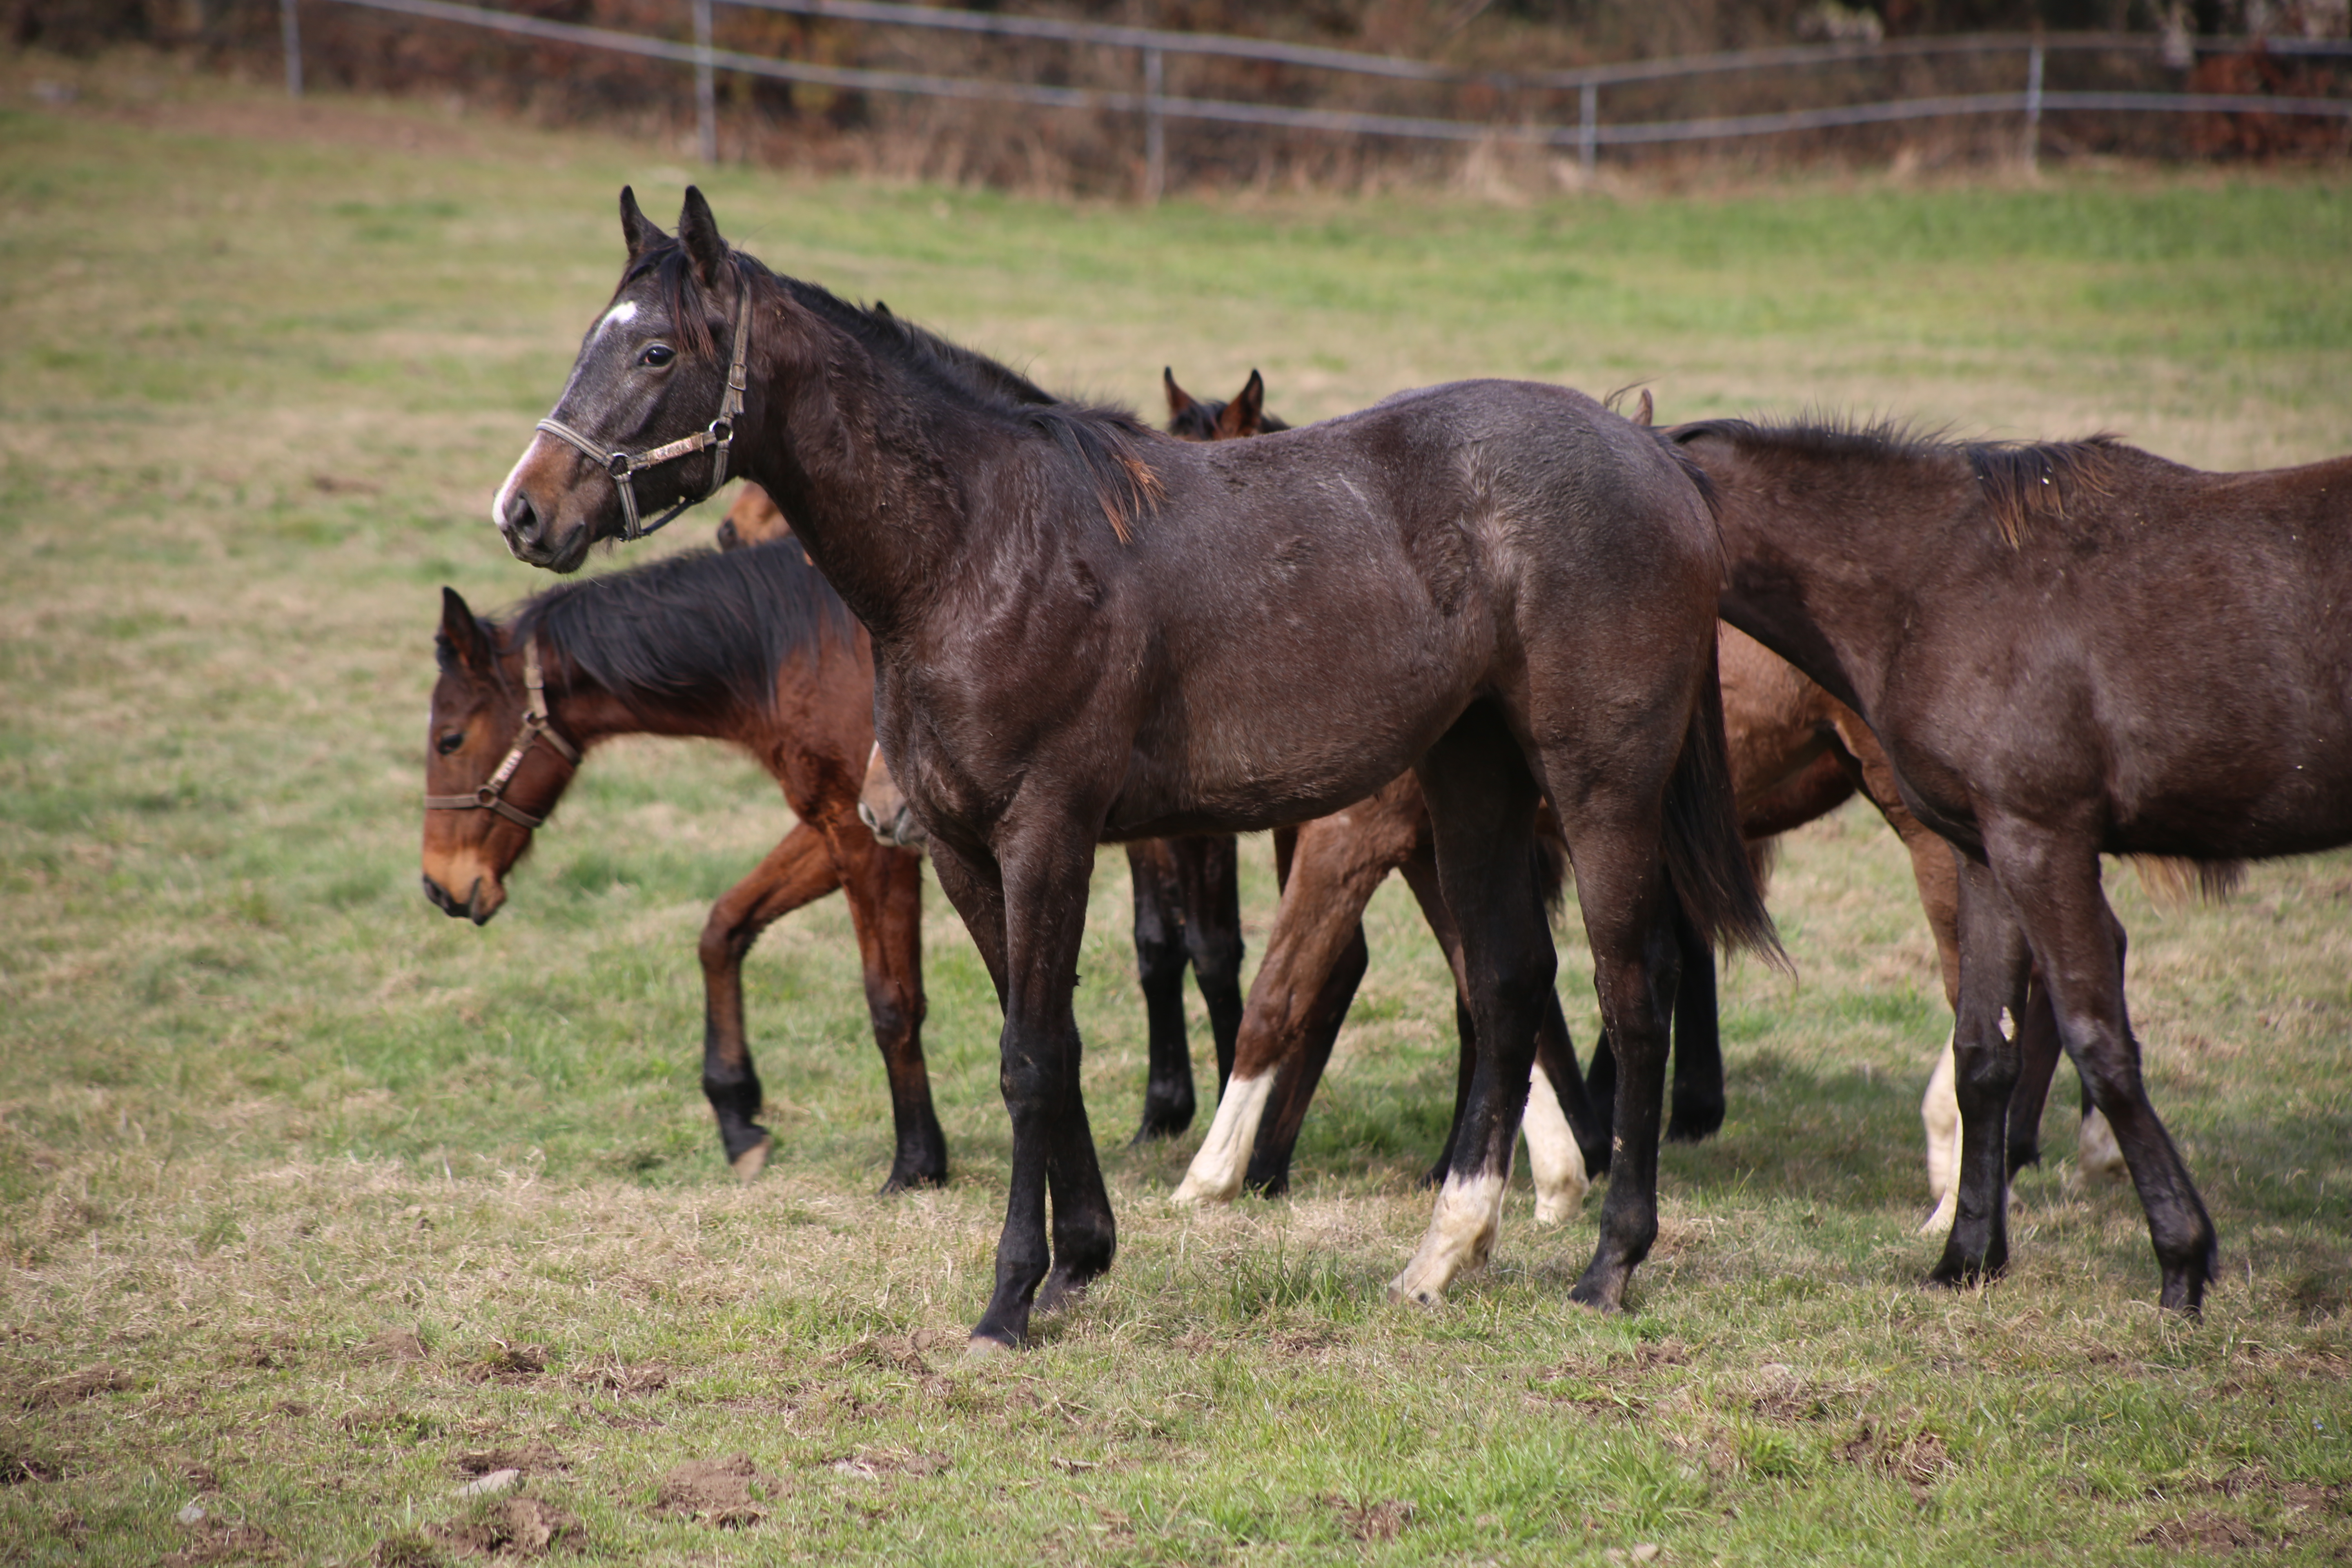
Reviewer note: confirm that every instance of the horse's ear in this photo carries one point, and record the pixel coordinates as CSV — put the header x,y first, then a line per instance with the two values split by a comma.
x,y
883,311
1645,409
462,635
637,231
698,232
1245,415
1179,399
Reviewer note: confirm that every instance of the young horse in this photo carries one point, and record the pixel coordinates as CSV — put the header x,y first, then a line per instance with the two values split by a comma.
x,y
752,648
2065,649
1084,632
1187,907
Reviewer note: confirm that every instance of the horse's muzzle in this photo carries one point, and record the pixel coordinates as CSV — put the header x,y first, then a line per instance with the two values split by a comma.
x,y
470,909
902,831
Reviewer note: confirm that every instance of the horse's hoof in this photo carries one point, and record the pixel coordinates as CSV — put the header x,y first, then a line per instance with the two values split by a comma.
x,y
910,1181
747,1165
984,1347
1406,1292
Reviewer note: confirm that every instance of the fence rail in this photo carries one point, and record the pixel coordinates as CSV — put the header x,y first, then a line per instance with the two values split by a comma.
x,y
1586,137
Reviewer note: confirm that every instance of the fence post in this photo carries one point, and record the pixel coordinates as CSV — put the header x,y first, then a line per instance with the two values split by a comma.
x,y
2033,107
1155,127
289,31
705,99
1588,125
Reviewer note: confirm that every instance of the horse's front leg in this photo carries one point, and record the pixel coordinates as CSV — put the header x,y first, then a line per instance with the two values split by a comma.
x,y
1995,966
1030,907
1482,806
1160,955
795,871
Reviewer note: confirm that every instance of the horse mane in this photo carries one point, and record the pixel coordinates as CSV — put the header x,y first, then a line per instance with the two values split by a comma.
x,y
2021,481
695,632
1107,442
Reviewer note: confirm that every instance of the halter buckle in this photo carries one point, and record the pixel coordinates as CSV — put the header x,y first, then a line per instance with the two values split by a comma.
x,y
620,465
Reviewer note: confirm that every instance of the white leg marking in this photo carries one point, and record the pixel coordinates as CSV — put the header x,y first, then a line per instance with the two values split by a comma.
x,y
1215,1176
1552,1154
1460,1234
2098,1152
1941,1112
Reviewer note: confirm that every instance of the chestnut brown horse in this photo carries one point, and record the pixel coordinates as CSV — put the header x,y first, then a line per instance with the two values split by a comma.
x,y
2065,648
1085,632
752,648
1188,908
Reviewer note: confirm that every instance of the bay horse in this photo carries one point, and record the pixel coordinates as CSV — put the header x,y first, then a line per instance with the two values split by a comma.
x,y
2065,648
1087,632
752,648
1188,908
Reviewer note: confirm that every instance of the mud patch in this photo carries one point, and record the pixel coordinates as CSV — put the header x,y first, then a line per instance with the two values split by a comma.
x,y
224,1544
615,1376
515,1527
509,1364
1383,1520
76,1386
1919,1458
894,1352
536,1458
719,1492
2200,1533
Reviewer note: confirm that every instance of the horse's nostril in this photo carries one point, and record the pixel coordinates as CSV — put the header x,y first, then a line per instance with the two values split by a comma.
x,y
728,539
520,518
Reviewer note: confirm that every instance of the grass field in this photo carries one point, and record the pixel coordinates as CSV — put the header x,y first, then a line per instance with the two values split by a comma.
x,y
308,1193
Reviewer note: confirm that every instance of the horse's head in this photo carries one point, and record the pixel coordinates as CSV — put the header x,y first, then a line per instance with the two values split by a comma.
x,y
883,807
755,519
1197,419
647,419
491,774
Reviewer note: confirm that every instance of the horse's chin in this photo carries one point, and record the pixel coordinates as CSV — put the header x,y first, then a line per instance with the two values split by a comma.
x,y
562,557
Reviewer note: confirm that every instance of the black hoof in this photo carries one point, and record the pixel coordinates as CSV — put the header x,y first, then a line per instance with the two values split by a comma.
x,y
1603,1291
1694,1124
905,1181
1061,1288
1268,1186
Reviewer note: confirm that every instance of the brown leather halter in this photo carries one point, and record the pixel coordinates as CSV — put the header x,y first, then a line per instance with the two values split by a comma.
x,y
491,796
623,467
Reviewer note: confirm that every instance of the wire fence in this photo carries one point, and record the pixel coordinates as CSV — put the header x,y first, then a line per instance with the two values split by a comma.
x,y
2030,101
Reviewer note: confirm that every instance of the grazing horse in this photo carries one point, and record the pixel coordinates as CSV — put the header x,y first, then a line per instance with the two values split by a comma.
x,y
752,648
2065,648
1087,632
1187,907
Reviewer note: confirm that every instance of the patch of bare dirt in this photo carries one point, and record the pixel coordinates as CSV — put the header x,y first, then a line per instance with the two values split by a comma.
x,y
873,1464
509,1364
213,1542
716,1491
2201,1532
1368,1519
516,1527
1919,1458
894,1352
616,1376
406,1549
76,1386
18,1469
536,1458
399,1346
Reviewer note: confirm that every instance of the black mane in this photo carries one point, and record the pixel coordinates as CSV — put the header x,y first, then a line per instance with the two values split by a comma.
x,y
2022,481
695,632
1108,443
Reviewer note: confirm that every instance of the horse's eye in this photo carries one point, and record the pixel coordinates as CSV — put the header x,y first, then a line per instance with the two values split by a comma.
x,y
450,741
658,355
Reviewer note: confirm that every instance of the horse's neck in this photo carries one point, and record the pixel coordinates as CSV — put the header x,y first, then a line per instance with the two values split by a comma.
x,y
587,714
852,454
1814,574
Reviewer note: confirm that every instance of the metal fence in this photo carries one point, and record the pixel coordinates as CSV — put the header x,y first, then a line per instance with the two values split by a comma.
x,y
2029,102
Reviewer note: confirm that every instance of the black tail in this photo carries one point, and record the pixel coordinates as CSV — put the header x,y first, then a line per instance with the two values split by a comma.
x,y
1707,859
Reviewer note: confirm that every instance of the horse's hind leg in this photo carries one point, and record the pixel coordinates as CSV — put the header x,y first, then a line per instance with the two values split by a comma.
x,y
1482,804
1698,1104
1208,877
1159,958
886,909
797,870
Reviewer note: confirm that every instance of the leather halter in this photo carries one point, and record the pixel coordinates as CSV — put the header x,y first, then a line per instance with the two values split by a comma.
x,y
491,796
718,436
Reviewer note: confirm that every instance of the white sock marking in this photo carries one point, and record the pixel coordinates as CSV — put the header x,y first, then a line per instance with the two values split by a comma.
x,y
1940,1111
1462,1231
1553,1156
2097,1152
1216,1171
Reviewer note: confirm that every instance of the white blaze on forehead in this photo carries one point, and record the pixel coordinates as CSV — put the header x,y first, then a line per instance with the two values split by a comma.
x,y
621,314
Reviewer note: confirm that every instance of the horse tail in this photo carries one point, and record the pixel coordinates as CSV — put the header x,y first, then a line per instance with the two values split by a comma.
x,y
2173,884
1707,859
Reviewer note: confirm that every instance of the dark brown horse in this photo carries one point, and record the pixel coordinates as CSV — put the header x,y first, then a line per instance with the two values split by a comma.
x,y
1187,907
1087,632
2065,648
752,648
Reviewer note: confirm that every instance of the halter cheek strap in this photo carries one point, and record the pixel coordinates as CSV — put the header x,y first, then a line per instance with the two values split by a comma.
x,y
491,796
717,438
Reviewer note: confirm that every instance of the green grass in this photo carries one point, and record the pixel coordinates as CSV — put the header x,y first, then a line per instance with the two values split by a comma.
x,y
260,1106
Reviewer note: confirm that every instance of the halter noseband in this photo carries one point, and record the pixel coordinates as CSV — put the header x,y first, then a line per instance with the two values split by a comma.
x,y
718,436
491,796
